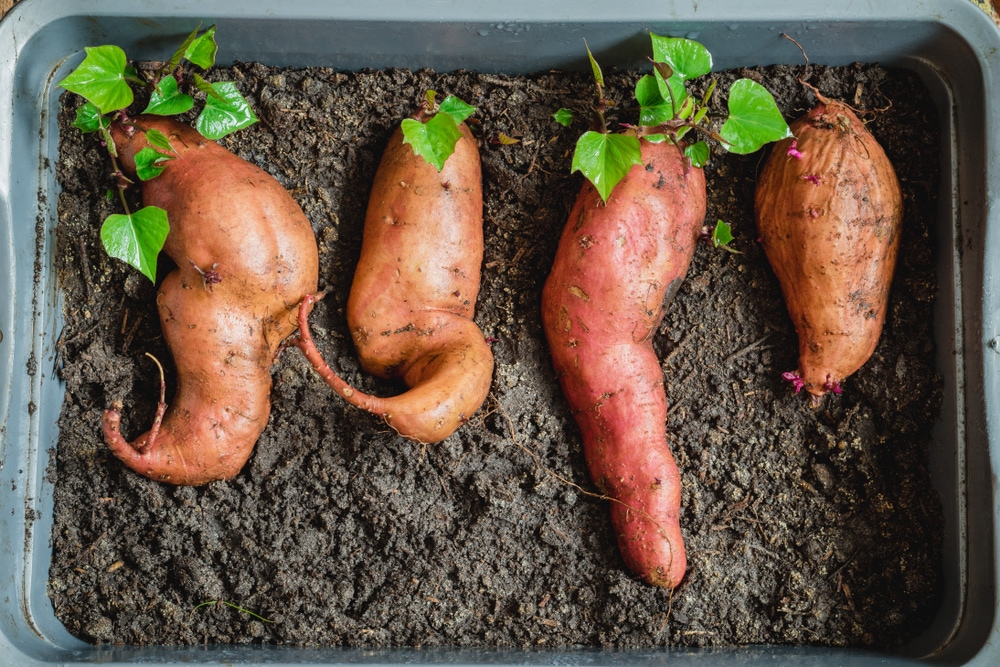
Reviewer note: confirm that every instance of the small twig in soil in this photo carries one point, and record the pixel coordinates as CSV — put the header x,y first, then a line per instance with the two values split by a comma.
x,y
673,353
843,565
748,349
131,334
762,550
534,165
59,349
84,261
236,607
77,336
501,81
673,406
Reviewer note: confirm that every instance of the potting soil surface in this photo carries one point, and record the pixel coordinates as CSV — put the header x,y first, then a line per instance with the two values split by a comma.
x,y
803,525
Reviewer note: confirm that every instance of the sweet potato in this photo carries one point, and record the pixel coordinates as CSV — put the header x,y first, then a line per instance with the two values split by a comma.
x,y
414,293
246,257
616,269
829,213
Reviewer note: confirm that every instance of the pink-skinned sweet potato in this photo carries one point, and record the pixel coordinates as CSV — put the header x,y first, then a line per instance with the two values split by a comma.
x,y
829,212
414,293
246,257
616,269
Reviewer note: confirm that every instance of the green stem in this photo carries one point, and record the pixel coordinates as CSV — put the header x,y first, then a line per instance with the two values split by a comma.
x,y
119,186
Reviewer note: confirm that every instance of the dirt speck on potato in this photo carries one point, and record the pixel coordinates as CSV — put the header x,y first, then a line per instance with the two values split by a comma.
x,y
802,526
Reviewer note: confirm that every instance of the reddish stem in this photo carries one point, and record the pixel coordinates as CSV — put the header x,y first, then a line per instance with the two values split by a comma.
x,y
111,421
305,342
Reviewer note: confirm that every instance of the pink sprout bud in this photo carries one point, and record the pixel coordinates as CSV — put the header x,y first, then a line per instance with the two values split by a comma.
x,y
793,150
812,178
794,379
832,385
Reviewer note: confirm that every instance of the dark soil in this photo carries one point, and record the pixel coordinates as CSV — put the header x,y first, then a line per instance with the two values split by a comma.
x,y
803,525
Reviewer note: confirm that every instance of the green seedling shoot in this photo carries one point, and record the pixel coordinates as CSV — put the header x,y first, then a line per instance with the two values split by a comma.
x,y
564,117
434,132
720,236
105,80
669,112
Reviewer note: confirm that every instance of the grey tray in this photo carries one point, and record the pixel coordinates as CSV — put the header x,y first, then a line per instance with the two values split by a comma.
x,y
951,44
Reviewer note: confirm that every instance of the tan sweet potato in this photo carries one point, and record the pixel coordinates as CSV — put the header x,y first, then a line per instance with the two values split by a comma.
x,y
414,293
246,257
829,213
616,269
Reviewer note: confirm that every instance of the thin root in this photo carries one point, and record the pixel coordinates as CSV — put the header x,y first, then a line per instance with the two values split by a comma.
x,y
568,482
161,407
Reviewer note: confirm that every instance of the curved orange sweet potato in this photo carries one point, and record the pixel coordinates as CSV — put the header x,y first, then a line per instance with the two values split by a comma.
x,y
616,269
234,223
829,213
414,293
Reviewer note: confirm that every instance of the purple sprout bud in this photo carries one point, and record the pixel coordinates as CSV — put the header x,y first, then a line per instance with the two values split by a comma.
x,y
793,150
794,379
208,278
832,385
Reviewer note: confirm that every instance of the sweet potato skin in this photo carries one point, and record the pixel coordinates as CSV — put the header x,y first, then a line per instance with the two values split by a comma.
x,y
229,216
830,223
414,293
616,269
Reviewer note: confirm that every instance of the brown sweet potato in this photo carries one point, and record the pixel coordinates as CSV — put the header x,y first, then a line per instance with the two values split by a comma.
x,y
829,213
616,269
414,293
246,257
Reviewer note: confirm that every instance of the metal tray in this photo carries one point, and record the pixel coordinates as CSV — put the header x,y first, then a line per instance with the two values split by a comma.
x,y
951,44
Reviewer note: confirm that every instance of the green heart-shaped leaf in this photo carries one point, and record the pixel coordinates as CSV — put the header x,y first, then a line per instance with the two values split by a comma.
x,y
226,113
653,109
434,140
137,238
150,163
167,100
202,50
687,58
100,79
159,140
456,108
722,236
564,117
698,153
605,159
89,118
754,119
